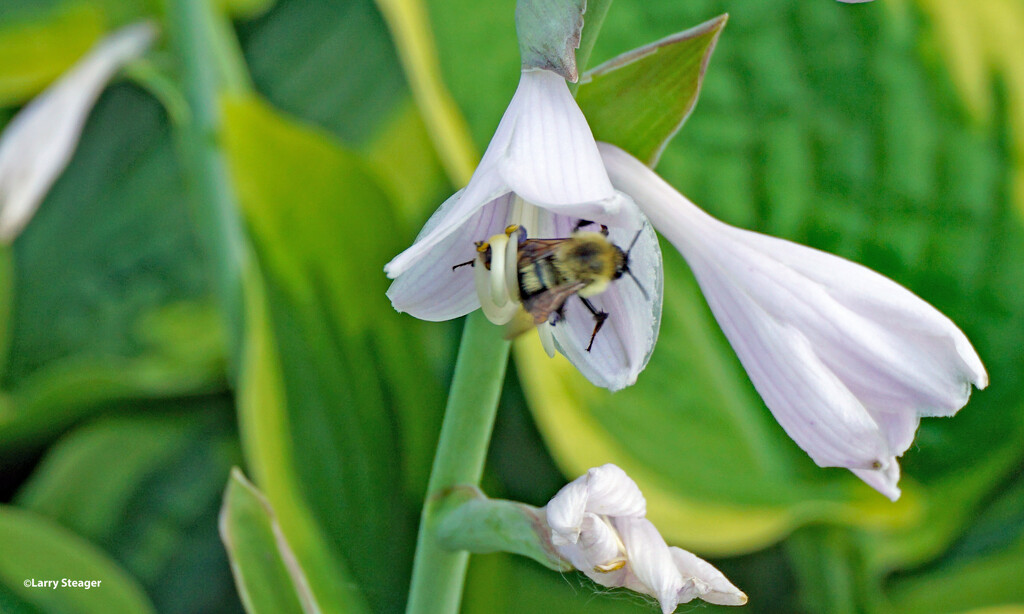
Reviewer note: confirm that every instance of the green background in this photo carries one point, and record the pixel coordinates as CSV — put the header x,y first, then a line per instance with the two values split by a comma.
x,y
887,132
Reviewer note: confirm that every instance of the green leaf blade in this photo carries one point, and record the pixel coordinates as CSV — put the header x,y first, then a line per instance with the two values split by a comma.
x,y
267,575
347,380
640,99
39,549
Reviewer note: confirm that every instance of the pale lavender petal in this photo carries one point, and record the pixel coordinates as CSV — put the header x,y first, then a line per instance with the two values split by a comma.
x,y
893,350
712,587
484,188
831,346
624,344
883,480
566,509
650,561
939,360
808,400
613,493
605,490
38,143
899,428
428,288
598,546
552,159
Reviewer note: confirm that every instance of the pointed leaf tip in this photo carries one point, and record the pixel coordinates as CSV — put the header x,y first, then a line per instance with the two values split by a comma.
x,y
639,100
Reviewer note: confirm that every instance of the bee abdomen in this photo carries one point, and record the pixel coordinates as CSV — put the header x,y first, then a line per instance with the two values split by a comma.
x,y
538,276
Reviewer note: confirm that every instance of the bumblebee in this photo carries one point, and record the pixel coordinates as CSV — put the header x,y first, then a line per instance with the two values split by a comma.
x,y
551,271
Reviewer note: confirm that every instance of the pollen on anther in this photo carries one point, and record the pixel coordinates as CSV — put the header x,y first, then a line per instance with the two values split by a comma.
x,y
611,566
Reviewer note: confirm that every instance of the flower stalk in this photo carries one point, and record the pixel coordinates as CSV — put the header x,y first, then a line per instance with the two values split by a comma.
x,y
198,41
438,574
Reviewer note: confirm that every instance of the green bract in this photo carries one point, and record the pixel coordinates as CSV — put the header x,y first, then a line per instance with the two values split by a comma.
x,y
549,33
640,99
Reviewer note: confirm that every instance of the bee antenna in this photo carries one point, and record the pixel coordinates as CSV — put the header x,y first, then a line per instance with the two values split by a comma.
x,y
633,242
637,281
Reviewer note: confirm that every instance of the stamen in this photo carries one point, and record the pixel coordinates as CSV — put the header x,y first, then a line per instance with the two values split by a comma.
x,y
495,313
492,288
499,291
610,566
512,266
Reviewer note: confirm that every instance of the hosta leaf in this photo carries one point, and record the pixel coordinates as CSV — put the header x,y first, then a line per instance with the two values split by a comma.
x,y
181,352
110,247
330,63
34,53
322,230
146,488
640,99
269,578
301,55
265,436
41,39
38,549
992,581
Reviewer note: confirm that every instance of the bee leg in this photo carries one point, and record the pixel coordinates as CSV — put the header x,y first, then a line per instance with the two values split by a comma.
x,y
557,315
468,262
599,318
582,223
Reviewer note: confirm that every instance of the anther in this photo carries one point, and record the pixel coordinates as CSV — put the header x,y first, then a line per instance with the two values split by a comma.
x,y
610,566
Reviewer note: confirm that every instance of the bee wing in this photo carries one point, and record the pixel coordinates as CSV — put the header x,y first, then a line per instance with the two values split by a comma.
x,y
532,250
542,305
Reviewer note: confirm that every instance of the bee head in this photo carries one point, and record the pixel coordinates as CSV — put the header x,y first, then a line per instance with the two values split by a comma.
x,y
622,266
621,262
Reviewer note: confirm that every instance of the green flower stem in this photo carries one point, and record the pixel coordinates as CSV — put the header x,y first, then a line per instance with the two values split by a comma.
x,y
474,523
198,40
438,574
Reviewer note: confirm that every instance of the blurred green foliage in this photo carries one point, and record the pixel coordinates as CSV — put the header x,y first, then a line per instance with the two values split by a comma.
x,y
851,128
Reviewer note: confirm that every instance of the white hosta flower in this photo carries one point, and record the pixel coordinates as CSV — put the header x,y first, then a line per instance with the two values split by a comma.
x,y
541,171
597,522
847,360
39,141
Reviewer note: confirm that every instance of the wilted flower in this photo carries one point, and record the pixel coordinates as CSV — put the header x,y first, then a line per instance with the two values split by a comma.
x,y
847,360
542,172
597,522
40,140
